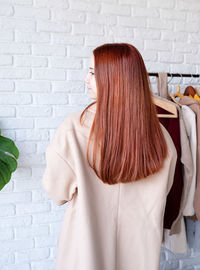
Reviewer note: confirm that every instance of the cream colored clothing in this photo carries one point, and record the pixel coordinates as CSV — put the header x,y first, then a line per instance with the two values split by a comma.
x,y
105,227
189,118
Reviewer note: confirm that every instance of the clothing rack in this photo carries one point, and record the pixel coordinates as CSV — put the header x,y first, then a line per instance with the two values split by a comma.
x,y
175,75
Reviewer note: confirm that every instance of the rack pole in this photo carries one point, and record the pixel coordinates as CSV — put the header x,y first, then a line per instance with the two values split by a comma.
x,y
175,75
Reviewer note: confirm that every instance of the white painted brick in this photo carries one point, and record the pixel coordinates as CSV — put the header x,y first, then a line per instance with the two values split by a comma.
x,y
20,24
37,172
173,14
17,123
97,40
26,147
43,265
74,75
53,252
180,68
5,60
23,2
32,37
141,3
191,5
29,208
63,111
192,16
68,86
22,173
49,26
45,241
192,59
55,207
83,5
78,51
118,31
9,134
6,35
6,234
166,57
32,134
159,23
6,10
55,228
115,9
31,12
34,111
31,160
17,267
48,123
14,48
39,196
51,3
79,99
147,34
6,259
165,4
32,86
52,99
15,197
64,62
46,218
6,86
194,37
155,67
26,185
10,222
6,111
185,48
158,45
30,61
15,99
14,73
144,12
131,22
36,254
48,74
67,39
101,19
41,147
68,15
7,210
91,29
14,245
48,50
187,27
31,232
174,36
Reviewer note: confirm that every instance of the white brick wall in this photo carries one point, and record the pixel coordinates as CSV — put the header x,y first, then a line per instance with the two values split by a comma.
x,y
44,51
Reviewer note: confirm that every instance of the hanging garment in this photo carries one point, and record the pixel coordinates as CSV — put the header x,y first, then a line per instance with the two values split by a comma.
x,y
189,118
105,226
195,106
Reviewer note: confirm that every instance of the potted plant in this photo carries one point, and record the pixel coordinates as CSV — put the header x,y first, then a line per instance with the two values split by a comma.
x,y
8,163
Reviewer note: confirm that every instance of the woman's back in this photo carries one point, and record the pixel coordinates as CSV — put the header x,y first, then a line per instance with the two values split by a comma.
x,y
106,227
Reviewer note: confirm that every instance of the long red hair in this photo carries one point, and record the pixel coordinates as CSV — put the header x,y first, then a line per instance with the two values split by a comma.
x,y
126,130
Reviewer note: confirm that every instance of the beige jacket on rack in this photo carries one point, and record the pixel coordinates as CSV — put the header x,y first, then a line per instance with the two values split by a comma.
x,y
105,227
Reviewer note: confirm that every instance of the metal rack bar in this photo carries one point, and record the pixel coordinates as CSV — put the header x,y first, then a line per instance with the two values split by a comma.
x,y
176,75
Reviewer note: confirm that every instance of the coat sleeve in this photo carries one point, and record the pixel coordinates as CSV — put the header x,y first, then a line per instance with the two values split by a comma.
x,y
59,179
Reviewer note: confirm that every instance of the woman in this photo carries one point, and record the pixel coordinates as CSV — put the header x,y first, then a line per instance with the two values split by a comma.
x,y
114,162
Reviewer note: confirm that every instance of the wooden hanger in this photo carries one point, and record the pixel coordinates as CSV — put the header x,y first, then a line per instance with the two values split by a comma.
x,y
173,98
171,108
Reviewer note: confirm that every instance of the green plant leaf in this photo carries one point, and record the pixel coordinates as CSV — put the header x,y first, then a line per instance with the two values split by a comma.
x,y
7,145
10,161
5,174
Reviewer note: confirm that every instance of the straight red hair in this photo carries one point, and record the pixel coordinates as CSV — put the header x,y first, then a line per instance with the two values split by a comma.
x,y
126,130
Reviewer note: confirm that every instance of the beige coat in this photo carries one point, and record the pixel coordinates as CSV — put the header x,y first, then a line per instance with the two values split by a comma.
x,y
105,227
